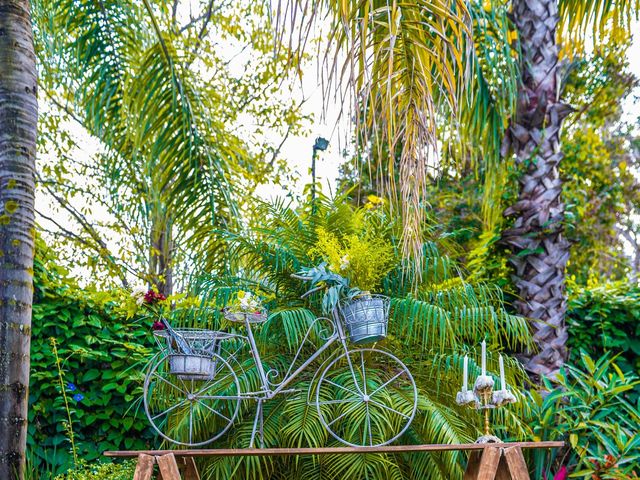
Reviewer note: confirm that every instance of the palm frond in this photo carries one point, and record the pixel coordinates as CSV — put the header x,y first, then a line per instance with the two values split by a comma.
x,y
403,67
596,18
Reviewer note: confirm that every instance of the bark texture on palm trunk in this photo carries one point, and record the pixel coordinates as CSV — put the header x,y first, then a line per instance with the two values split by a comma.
x,y
18,121
540,250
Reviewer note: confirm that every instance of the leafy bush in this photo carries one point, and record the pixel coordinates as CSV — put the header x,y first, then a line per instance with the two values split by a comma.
x,y
606,319
101,471
102,354
589,410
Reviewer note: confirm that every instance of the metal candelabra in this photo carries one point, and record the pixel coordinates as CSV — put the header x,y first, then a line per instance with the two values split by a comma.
x,y
483,396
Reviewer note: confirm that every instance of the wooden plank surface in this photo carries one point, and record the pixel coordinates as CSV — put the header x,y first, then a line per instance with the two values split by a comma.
x,y
144,468
254,452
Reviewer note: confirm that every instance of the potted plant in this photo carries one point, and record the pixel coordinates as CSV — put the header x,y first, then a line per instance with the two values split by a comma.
x,y
353,267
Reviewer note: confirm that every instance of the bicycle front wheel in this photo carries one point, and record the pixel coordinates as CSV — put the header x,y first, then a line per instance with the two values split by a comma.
x,y
191,409
366,397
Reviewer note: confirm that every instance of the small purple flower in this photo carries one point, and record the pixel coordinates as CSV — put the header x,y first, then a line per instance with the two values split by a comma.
x,y
71,387
78,397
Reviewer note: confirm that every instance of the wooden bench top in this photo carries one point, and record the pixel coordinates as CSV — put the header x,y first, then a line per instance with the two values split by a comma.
x,y
256,452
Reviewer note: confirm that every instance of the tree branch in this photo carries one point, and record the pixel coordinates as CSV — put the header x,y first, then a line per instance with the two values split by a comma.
x,y
103,249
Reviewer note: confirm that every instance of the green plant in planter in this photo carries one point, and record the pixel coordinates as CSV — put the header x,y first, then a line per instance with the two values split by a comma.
x,y
245,302
364,257
353,265
336,286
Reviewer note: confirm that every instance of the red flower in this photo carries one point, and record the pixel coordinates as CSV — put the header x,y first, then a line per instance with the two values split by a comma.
x,y
152,297
562,474
157,325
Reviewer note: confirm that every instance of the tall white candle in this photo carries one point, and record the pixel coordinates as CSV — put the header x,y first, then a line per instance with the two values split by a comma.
x,y
503,383
465,373
484,357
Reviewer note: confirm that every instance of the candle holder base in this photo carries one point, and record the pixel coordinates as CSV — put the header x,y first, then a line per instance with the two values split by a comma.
x,y
488,439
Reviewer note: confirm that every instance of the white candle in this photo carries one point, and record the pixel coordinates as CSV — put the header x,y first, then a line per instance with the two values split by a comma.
x,y
484,358
503,383
465,374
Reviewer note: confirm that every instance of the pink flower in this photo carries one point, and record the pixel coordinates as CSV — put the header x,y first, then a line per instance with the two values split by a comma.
x,y
562,474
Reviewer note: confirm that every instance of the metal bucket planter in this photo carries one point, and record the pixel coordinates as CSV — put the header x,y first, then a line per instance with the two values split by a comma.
x,y
366,318
191,367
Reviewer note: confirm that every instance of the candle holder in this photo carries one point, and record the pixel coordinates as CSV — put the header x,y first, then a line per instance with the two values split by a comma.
x,y
483,397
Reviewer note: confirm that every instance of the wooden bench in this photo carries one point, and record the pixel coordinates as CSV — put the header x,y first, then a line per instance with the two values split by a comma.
x,y
502,461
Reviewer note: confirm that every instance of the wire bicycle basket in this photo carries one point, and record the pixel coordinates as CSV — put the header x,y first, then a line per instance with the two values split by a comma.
x,y
190,350
366,318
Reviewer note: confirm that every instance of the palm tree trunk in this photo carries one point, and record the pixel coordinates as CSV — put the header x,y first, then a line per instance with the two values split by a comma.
x,y
540,251
161,256
18,121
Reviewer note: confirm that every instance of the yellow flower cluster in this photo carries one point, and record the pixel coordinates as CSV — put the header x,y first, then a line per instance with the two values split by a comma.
x,y
373,202
364,259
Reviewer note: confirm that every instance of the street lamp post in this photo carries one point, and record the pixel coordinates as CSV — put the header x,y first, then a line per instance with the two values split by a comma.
x,y
320,144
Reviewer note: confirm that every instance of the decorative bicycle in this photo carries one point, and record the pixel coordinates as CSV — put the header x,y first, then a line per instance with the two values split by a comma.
x,y
364,396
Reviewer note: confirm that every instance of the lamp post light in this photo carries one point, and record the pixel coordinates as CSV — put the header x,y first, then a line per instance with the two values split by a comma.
x,y
320,144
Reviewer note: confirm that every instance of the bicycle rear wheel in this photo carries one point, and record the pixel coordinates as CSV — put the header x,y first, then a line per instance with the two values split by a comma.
x,y
366,397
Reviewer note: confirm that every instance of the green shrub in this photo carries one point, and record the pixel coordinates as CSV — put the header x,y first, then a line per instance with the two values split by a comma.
x,y
607,320
591,412
102,356
101,471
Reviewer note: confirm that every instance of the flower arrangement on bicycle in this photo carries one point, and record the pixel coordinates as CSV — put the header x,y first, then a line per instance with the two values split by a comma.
x,y
352,268
245,306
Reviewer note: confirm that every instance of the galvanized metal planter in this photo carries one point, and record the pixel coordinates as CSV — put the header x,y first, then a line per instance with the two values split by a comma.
x,y
189,351
366,318
191,366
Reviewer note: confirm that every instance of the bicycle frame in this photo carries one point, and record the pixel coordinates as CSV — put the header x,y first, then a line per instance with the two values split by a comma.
x,y
270,390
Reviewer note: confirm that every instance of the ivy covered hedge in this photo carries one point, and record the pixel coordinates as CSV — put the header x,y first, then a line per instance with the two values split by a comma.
x,y
102,354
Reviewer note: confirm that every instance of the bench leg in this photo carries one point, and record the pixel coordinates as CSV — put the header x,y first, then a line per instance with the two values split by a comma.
x,y
515,462
168,467
144,468
497,464
189,469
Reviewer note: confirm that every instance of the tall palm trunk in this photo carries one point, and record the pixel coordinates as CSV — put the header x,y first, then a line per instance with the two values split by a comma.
x,y
540,250
18,119
161,256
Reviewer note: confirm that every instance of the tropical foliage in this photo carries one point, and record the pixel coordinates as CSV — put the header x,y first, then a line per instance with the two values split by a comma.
x,y
460,199
108,471
101,354
179,135
604,321
592,412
